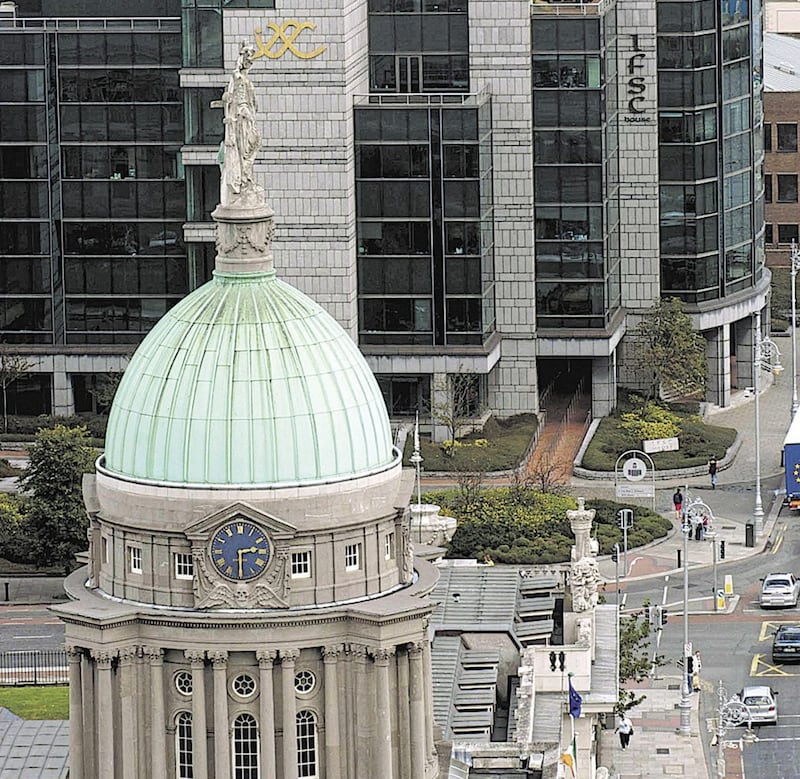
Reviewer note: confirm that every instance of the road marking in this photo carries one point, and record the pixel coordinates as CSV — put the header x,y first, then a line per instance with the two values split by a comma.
x,y
767,628
778,543
45,635
768,670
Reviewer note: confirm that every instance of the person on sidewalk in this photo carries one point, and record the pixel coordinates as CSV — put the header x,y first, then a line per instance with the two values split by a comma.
x,y
712,472
625,730
677,501
696,666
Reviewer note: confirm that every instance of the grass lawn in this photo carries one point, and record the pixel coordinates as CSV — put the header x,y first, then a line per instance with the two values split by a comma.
x,y
36,702
508,440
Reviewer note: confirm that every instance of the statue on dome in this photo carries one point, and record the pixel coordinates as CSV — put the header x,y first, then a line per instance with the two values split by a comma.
x,y
242,140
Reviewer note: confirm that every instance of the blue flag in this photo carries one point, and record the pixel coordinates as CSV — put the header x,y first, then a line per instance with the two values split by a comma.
x,y
575,702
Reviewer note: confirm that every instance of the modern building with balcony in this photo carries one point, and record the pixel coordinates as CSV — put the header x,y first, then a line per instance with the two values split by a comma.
x,y
468,186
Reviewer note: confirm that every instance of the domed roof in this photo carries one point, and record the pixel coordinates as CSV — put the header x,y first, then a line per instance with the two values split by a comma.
x,y
247,381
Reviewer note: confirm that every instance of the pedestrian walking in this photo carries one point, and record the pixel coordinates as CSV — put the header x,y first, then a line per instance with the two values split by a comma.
x,y
712,472
696,666
625,730
697,524
677,501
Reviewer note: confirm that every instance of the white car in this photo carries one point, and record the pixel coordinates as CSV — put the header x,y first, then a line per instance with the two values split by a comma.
x,y
779,589
761,705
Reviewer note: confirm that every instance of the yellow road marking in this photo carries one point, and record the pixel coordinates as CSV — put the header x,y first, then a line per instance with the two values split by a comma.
x,y
777,543
768,628
768,668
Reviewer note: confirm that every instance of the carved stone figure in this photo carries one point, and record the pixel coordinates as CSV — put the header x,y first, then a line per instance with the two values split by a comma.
x,y
584,580
585,631
242,139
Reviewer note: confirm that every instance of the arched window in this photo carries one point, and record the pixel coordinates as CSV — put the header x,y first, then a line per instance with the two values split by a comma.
x,y
306,745
183,745
245,747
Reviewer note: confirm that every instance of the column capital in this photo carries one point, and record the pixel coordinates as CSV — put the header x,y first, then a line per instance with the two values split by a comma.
x,y
103,658
218,658
289,655
196,657
266,657
74,653
415,648
380,654
357,651
332,652
154,653
127,654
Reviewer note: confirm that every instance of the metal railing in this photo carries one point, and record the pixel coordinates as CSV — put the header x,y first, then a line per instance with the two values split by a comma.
x,y
33,666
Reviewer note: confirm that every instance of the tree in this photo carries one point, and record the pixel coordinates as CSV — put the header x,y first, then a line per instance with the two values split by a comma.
x,y
57,520
635,663
105,389
455,401
671,354
12,366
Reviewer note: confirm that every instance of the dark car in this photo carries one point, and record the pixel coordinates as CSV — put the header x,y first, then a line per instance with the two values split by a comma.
x,y
786,643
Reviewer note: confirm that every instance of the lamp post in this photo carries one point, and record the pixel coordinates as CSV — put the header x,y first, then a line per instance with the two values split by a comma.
x,y
685,706
795,268
764,351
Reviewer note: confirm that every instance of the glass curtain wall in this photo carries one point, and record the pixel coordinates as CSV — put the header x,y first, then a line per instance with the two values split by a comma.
x,y
711,198
576,189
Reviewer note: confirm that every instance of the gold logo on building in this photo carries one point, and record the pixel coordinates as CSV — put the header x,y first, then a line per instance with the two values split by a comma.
x,y
285,34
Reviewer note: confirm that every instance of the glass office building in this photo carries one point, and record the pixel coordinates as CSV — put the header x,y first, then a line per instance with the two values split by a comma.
x,y
503,197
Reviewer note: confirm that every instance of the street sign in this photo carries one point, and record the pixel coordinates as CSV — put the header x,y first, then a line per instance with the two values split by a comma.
x,y
634,469
635,491
720,600
660,445
687,649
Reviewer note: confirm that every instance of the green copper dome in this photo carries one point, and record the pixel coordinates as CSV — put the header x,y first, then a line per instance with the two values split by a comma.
x,y
247,381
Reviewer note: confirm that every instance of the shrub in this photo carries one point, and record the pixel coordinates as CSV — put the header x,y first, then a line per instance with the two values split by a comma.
x,y
536,530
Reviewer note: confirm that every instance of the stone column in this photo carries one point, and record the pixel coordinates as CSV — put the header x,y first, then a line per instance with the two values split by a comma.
x,y
200,757
158,746
718,354
403,718
266,711
428,693
289,714
89,697
222,750
417,709
103,659
383,735
127,707
76,765
333,757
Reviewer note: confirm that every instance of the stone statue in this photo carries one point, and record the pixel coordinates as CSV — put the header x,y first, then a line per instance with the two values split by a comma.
x,y
242,139
584,580
585,631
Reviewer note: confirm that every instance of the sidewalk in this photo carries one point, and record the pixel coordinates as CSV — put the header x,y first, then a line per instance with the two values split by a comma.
x,y
656,749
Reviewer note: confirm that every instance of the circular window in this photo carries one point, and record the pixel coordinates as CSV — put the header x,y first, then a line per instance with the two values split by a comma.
x,y
183,682
304,682
244,685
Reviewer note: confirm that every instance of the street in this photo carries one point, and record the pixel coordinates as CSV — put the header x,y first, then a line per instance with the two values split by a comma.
x,y
736,648
24,628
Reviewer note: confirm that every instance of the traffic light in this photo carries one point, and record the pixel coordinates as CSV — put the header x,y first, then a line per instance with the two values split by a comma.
x,y
615,553
662,616
722,549
651,615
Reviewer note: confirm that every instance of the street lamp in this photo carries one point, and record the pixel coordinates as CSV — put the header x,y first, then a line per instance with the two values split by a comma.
x,y
685,706
764,352
699,509
795,268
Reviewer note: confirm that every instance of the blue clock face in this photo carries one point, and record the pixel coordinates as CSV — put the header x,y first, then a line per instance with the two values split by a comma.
x,y
240,550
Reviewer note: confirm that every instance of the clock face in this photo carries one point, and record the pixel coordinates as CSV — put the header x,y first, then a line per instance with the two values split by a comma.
x,y
240,550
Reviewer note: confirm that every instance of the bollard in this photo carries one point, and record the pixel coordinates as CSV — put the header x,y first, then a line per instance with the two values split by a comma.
x,y
749,535
679,557
5,589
